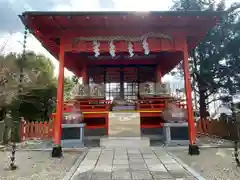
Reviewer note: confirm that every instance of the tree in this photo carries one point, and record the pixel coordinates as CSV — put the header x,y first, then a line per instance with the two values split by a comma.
x,y
187,5
37,74
213,61
9,79
75,79
37,104
68,86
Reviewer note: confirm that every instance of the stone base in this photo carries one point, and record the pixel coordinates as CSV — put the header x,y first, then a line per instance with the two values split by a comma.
x,y
126,142
193,149
73,143
72,135
13,167
176,134
57,152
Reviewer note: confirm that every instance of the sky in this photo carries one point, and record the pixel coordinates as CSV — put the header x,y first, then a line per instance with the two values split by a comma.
x,y
11,29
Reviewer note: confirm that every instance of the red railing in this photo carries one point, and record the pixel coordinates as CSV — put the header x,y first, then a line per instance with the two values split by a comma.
x,y
89,105
36,130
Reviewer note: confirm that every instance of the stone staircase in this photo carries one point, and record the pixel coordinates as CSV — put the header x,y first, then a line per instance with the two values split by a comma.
x,y
124,131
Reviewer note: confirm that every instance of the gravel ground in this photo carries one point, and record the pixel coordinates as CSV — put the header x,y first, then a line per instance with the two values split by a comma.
x,y
213,163
34,144
36,165
214,141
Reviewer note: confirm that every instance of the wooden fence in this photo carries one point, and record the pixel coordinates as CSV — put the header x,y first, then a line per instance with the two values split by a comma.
x,y
219,128
36,130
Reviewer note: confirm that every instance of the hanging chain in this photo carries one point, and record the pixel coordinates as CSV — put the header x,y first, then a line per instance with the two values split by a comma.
x,y
236,153
22,60
236,128
234,115
20,89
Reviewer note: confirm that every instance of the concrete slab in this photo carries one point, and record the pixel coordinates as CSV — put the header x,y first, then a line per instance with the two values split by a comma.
x,y
124,124
122,142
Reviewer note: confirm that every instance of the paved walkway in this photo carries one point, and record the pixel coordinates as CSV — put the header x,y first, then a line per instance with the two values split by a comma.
x,y
130,164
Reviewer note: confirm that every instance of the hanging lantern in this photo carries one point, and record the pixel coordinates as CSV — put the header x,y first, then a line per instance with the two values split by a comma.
x,y
145,46
96,49
130,49
112,49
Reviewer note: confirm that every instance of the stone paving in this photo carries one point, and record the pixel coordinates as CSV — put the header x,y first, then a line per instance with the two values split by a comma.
x,y
130,164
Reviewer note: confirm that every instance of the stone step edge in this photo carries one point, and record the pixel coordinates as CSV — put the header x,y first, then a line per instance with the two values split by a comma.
x,y
124,138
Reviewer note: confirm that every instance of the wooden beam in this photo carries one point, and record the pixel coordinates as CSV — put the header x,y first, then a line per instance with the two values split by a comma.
x,y
88,32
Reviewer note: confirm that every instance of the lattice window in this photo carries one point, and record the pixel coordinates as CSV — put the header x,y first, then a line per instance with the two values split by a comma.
x,y
112,90
131,90
111,76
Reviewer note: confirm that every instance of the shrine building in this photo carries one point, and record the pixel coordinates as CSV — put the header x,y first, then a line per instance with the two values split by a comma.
x,y
121,58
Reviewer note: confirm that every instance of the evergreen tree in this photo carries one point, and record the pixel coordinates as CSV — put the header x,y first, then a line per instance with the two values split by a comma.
x,y
37,77
213,62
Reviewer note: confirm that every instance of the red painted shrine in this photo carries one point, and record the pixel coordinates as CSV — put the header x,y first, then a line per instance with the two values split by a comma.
x,y
122,52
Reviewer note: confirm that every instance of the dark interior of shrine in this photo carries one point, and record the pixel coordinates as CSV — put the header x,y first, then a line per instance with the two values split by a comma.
x,y
75,61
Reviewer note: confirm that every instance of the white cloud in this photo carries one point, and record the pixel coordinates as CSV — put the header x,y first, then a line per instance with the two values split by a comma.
x,y
61,7
79,5
119,5
137,5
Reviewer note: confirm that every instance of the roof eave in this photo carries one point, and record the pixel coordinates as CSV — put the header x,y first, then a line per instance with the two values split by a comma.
x,y
117,13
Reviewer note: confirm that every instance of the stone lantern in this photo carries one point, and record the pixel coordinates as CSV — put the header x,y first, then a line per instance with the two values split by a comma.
x,y
73,128
75,116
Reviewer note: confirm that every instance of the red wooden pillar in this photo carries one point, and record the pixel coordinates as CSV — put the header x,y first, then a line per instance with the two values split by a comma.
x,y
57,150
158,74
193,148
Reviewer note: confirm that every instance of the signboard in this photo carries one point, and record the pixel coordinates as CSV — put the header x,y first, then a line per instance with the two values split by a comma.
x,y
80,91
97,90
147,89
162,89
